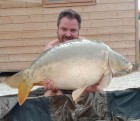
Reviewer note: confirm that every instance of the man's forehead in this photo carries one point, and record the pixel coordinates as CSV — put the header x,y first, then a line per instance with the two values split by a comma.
x,y
69,23
68,20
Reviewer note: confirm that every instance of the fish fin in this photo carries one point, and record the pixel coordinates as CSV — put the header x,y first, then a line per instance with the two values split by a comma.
x,y
77,93
41,83
15,80
106,79
24,90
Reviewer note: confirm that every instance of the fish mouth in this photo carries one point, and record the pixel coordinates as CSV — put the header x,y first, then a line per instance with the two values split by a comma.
x,y
124,72
129,69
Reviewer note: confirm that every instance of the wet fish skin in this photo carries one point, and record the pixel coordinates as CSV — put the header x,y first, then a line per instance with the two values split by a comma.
x,y
75,65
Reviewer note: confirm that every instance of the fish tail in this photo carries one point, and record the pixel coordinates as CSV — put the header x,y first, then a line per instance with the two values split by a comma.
x,y
17,81
24,90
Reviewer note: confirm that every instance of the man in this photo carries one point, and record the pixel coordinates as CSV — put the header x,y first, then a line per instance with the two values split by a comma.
x,y
68,26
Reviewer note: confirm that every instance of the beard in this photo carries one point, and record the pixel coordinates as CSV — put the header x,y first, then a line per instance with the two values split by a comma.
x,y
65,38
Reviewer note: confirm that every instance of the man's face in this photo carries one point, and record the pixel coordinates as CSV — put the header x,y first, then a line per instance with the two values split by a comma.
x,y
68,29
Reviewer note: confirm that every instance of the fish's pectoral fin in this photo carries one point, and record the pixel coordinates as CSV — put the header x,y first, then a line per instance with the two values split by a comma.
x,y
77,93
24,90
106,79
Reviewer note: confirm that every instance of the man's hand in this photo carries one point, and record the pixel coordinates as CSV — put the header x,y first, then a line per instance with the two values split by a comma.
x,y
93,88
50,85
51,89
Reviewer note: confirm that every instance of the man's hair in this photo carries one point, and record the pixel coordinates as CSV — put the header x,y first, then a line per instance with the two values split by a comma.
x,y
71,14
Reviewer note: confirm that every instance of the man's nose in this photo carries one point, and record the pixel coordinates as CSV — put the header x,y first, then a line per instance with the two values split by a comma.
x,y
68,33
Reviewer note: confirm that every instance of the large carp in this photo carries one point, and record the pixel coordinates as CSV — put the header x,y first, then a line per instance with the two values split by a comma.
x,y
73,65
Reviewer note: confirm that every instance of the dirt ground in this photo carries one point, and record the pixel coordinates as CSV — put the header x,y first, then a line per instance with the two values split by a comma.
x,y
131,80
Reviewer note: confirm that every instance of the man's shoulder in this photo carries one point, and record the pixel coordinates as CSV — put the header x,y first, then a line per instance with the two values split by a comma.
x,y
51,44
54,42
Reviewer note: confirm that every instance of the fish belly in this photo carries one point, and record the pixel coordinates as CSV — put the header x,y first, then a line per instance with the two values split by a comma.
x,y
72,74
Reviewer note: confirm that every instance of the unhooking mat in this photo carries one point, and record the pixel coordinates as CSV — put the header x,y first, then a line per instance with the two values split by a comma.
x,y
121,105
